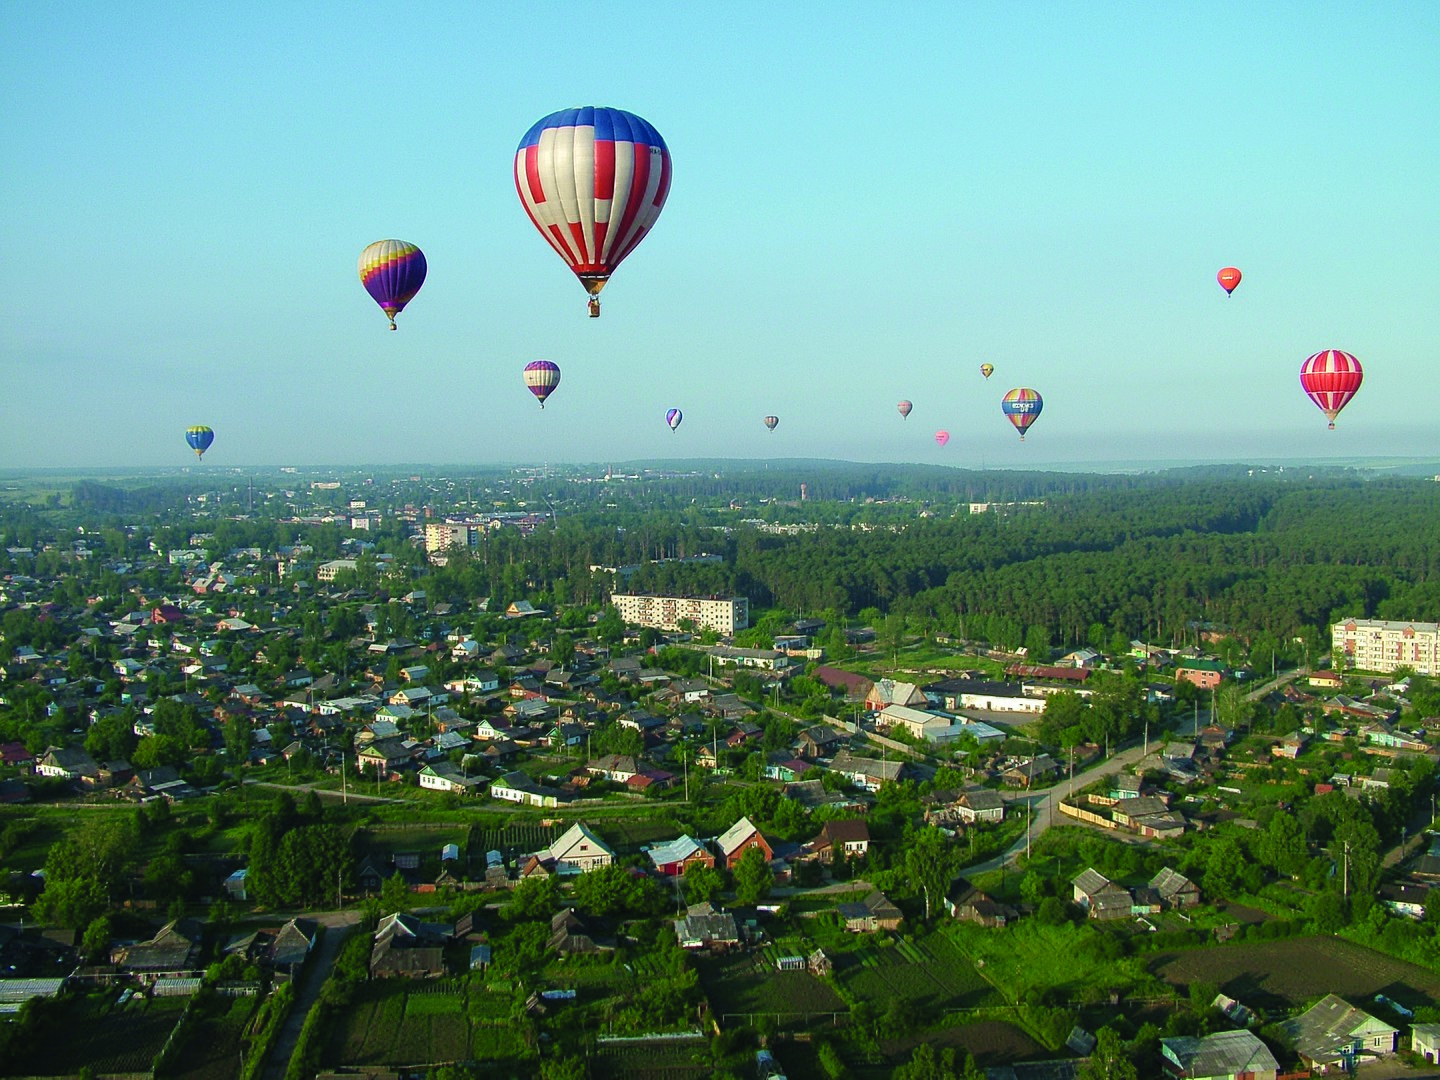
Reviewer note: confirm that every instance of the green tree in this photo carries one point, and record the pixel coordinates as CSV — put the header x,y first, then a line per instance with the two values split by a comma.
x,y
753,879
394,894
703,882
929,862
1109,1060
927,1064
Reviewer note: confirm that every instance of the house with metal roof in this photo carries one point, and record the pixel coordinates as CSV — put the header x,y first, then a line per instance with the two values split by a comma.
x,y
1225,1055
674,857
1332,1032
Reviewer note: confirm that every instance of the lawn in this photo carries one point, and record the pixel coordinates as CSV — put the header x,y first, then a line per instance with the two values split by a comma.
x,y
1074,962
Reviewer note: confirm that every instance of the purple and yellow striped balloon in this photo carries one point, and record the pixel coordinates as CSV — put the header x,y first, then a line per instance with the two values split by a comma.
x,y
392,272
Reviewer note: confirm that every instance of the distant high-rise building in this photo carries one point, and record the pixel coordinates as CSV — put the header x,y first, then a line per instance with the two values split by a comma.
x,y
1383,645
723,614
804,492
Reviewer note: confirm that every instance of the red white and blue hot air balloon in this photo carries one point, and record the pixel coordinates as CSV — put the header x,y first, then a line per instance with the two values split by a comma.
x,y
771,422
593,181
542,377
392,272
904,408
1331,378
1229,278
673,418
1022,408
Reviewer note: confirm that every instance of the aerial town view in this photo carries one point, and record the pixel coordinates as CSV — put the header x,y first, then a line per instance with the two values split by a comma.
x,y
960,602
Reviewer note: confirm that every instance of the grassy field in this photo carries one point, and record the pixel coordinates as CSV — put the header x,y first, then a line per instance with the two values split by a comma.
x,y
1289,973
1072,961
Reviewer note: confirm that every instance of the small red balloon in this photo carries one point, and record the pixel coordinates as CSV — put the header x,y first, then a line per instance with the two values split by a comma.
x,y
1228,278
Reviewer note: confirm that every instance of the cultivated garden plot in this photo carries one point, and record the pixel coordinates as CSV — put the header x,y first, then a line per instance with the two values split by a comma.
x,y
106,1037
1292,972
668,1060
405,1023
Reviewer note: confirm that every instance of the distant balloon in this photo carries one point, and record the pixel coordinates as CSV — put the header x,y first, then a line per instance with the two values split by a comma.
x,y
987,370
1022,406
542,377
593,181
392,272
1228,278
1331,378
199,438
673,418
904,408
771,421
942,437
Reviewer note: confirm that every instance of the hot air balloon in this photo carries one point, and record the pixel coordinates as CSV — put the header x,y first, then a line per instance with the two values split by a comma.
x,y
673,418
593,181
904,408
199,437
1022,406
987,370
1331,378
392,272
942,437
1229,277
771,421
542,377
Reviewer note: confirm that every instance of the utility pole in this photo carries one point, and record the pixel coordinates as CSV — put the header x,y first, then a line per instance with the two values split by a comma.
x,y
344,792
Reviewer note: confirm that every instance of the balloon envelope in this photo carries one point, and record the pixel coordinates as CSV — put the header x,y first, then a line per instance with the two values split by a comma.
x,y
199,439
593,182
392,272
942,437
1022,406
1229,277
771,421
673,418
987,370
542,377
904,408
1331,378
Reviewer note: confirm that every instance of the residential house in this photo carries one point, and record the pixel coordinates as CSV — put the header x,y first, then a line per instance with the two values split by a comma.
x,y
1333,1033
875,912
576,851
965,902
736,840
705,928
849,838
406,947
1175,889
572,934
855,687
444,776
1425,1041
1100,897
69,763
516,787
818,742
615,767
1204,674
674,857
867,773
980,805
384,755
175,948
887,692
1225,1055
1030,772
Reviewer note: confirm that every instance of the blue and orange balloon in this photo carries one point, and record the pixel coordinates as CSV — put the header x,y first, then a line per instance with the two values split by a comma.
x,y
392,272
1022,408
199,438
593,182
542,377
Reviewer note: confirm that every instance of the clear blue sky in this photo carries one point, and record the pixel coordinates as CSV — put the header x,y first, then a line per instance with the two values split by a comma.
x,y
869,201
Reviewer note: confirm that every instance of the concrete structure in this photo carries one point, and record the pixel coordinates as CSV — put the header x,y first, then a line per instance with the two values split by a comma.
x,y
1383,645
442,535
723,614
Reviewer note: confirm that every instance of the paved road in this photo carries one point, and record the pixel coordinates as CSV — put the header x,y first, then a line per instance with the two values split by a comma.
x,y
337,924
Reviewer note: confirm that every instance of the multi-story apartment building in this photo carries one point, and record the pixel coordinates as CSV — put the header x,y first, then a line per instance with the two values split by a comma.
x,y
1382,645
442,535
723,614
